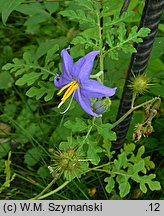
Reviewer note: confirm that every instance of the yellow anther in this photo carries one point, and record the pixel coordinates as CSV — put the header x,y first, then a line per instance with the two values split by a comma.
x,y
66,86
72,86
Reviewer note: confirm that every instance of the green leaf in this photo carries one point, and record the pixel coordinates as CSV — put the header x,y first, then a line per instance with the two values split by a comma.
x,y
88,4
139,166
4,149
8,7
29,78
120,162
43,172
124,43
105,131
129,147
51,6
5,80
9,178
45,88
76,125
157,90
79,15
124,185
2,164
49,44
28,9
110,184
147,179
7,66
33,156
140,152
92,153
148,163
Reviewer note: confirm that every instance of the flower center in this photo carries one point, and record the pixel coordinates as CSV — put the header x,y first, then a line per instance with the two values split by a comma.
x,y
71,87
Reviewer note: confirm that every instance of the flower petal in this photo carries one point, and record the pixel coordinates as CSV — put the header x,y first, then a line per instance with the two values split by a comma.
x,y
94,89
67,64
83,67
60,81
84,103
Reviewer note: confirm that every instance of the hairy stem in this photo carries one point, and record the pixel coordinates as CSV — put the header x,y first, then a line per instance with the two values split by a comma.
x,y
45,189
132,109
52,192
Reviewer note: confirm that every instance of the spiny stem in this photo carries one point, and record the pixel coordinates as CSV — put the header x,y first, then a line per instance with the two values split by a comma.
x,y
132,109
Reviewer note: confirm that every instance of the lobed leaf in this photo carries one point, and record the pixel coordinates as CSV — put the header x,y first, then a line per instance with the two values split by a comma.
x,y
110,184
105,131
76,126
92,153
28,79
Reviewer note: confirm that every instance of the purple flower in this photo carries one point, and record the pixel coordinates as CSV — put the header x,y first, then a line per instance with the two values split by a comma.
x,y
75,81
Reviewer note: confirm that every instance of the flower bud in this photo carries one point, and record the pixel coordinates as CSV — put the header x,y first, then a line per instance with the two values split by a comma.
x,y
101,106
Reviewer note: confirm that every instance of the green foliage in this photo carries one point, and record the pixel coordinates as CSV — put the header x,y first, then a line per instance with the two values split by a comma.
x,y
7,7
130,166
9,178
123,42
92,153
5,80
31,72
4,149
105,131
76,125
69,160
33,156
48,147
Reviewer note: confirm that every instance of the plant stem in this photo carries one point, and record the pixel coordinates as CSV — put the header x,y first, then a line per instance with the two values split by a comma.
x,y
45,189
100,44
133,99
132,109
52,192
86,137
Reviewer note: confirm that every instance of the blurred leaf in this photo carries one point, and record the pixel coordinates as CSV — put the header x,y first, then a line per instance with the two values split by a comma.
x,y
157,90
5,80
4,149
5,129
7,171
33,156
43,172
51,6
8,7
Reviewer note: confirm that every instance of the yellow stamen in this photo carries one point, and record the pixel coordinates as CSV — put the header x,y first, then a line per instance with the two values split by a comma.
x,y
72,86
66,86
